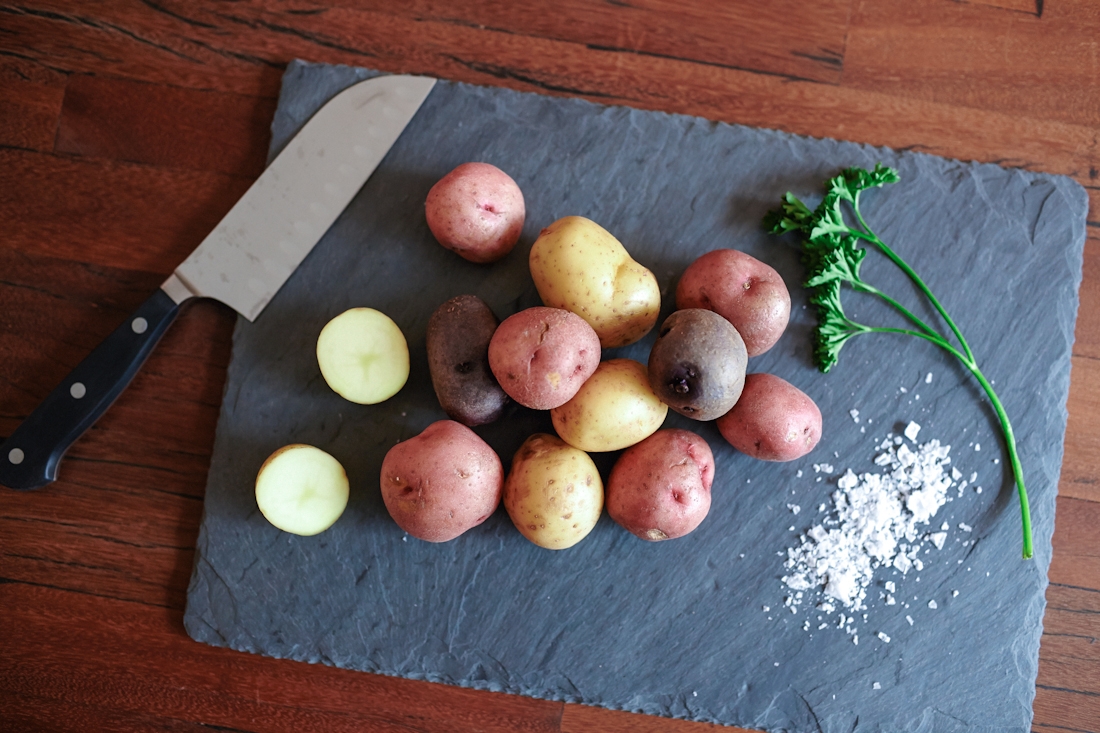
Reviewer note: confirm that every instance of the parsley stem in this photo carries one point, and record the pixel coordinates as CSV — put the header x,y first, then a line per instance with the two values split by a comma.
x,y
868,235
1014,458
863,287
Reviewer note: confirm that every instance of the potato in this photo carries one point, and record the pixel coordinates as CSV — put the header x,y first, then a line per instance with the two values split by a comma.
x,y
363,356
458,338
442,482
697,364
614,409
577,265
476,211
301,489
773,420
541,356
746,292
553,493
660,488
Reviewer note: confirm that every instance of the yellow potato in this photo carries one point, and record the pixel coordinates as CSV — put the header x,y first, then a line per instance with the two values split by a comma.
x,y
553,493
614,409
577,265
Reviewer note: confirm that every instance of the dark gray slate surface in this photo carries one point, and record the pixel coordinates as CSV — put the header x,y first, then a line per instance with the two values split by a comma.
x,y
677,628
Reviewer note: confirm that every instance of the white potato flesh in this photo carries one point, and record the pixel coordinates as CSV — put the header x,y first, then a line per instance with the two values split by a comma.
x,y
301,489
363,356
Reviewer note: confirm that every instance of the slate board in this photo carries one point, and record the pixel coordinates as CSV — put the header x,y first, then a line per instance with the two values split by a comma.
x,y
676,628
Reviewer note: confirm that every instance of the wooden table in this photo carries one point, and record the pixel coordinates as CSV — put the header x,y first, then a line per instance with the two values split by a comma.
x,y
128,128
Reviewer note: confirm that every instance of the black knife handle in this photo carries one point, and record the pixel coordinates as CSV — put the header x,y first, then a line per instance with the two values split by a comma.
x,y
29,458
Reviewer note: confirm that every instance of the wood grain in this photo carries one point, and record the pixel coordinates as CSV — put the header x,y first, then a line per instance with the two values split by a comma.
x,y
107,212
978,55
1081,464
666,28
127,129
30,100
167,127
50,654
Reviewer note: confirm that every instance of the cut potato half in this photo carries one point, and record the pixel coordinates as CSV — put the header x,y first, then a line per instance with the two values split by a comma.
x,y
363,356
301,489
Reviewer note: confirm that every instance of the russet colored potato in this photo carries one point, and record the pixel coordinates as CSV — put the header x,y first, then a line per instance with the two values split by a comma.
x,y
553,493
773,420
615,408
660,488
745,291
458,338
476,211
579,266
442,482
541,356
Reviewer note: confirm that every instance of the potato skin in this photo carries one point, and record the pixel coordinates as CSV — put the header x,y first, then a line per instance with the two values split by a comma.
x,y
773,420
697,365
745,291
615,408
553,493
541,356
659,489
579,266
476,211
442,482
458,338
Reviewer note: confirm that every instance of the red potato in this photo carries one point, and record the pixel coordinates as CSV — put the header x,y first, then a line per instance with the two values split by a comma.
x,y
476,211
773,420
746,292
442,482
541,356
659,488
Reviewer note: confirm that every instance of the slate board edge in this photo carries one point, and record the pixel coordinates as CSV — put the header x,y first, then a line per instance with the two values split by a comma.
x,y
204,633
1075,189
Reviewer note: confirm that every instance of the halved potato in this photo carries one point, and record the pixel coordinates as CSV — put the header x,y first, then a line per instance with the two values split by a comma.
x,y
301,489
363,356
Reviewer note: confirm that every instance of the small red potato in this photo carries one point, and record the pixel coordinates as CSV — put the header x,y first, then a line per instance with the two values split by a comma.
x,y
442,482
659,488
746,292
773,420
541,356
476,211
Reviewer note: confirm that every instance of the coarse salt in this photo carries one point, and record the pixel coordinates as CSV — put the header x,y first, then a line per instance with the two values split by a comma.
x,y
875,523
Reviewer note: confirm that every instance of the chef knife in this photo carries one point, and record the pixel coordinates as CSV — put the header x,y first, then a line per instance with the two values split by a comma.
x,y
243,262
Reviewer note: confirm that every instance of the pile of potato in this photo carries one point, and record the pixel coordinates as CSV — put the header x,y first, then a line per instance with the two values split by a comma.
x,y
447,480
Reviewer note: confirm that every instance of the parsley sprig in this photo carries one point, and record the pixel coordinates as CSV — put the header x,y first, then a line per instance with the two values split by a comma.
x,y
832,253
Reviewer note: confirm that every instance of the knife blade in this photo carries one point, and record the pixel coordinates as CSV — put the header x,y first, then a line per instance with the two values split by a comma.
x,y
243,262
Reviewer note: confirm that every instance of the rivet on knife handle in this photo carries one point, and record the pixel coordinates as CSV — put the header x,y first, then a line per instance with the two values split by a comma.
x,y
29,458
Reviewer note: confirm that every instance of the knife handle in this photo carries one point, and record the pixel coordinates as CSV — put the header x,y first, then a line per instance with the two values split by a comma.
x,y
29,458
